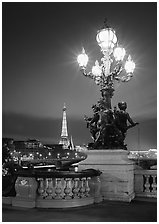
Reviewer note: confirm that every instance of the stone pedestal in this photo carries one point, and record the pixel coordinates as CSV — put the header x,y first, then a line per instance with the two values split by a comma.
x,y
117,178
26,188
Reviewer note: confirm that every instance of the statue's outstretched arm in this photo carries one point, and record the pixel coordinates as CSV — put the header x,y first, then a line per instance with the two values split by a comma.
x,y
131,121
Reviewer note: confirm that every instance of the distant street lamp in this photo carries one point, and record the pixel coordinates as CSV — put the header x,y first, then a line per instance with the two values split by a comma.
x,y
114,67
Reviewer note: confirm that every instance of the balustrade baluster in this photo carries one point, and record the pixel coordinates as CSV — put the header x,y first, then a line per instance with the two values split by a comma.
x,y
68,189
76,189
49,189
82,188
41,188
87,188
154,184
147,183
58,188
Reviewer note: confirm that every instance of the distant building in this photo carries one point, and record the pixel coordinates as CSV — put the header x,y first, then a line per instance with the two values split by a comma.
x,y
8,141
28,144
31,148
54,146
34,149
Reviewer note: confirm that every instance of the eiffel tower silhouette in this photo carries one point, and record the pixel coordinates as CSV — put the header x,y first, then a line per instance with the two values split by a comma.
x,y
64,134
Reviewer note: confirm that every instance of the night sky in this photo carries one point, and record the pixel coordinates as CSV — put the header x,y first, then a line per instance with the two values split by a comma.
x,y
40,44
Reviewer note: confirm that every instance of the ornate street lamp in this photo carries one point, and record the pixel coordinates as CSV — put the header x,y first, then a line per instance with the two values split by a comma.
x,y
113,67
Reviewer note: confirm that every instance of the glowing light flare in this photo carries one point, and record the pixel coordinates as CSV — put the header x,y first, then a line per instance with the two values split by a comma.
x,y
96,70
129,65
119,53
76,155
82,59
76,169
106,39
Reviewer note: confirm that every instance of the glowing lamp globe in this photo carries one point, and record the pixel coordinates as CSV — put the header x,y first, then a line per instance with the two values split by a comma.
x,y
106,39
96,70
129,65
119,53
82,59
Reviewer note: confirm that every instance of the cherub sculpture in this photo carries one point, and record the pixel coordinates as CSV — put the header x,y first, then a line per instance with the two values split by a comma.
x,y
122,118
107,127
92,122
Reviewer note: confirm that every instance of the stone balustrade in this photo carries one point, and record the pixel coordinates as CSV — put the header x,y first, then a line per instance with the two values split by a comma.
x,y
146,183
56,189
63,188
120,180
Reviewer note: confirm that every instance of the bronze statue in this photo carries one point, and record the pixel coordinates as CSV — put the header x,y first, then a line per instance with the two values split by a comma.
x,y
92,123
107,127
122,118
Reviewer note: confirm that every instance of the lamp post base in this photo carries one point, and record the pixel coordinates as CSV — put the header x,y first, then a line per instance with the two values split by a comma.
x,y
117,178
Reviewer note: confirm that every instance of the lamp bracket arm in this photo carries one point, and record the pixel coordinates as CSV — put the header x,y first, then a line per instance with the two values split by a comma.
x,y
125,78
87,74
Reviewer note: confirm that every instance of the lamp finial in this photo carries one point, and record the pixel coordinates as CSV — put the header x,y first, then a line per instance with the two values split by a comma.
x,y
105,23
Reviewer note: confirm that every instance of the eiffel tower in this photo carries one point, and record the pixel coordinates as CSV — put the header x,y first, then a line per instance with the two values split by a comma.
x,y
64,134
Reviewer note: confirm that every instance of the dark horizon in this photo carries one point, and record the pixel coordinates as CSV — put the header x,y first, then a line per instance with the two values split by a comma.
x,y
40,43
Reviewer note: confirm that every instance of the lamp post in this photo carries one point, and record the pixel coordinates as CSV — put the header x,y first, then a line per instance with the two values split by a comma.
x,y
114,66
113,54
